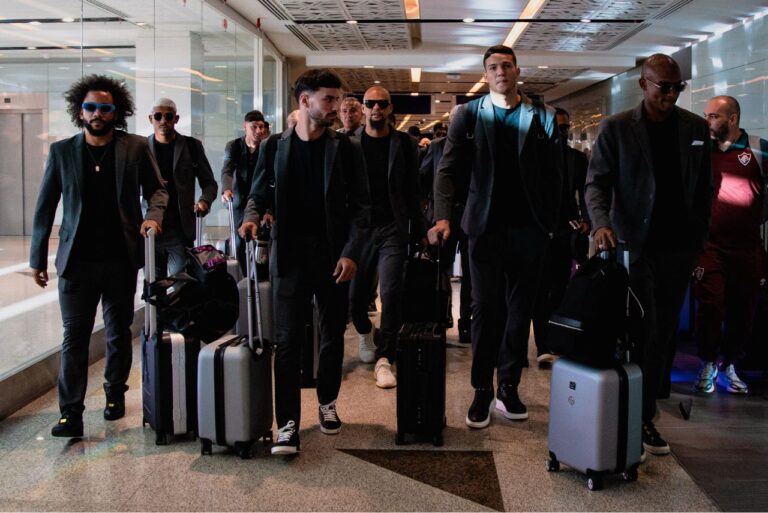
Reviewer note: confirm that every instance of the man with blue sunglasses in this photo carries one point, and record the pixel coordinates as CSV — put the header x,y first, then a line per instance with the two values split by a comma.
x,y
98,174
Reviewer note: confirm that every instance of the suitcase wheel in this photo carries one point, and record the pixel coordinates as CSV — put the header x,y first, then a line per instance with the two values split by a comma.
x,y
162,439
594,483
437,440
244,450
630,475
206,447
553,465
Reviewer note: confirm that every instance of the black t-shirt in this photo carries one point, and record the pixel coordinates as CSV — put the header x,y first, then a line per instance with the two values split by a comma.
x,y
376,151
509,204
164,157
305,214
670,227
100,236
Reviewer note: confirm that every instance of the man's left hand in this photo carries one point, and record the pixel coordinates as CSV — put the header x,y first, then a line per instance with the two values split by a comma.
x,y
345,269
150,223
202,207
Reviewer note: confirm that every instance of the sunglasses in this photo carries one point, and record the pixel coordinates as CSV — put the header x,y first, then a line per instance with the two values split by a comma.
x,y
104,108
383,104
666,87
169,116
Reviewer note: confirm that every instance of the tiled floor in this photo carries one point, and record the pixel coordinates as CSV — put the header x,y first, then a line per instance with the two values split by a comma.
x,y
117,466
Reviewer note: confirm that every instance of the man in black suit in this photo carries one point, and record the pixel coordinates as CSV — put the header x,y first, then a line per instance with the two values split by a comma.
x,y
312,182
181,160
100,173
390,158
507,148
572,228
240,157
650,184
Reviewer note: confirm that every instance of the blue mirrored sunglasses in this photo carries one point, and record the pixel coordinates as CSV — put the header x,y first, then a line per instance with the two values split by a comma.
x,y
104,108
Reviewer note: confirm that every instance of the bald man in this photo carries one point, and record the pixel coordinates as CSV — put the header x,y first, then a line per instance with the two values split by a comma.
x,y
649,183
392,167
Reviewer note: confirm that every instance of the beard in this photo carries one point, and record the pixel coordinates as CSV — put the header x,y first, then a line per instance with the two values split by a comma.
x,y
320,119
721,134
378,124
106,127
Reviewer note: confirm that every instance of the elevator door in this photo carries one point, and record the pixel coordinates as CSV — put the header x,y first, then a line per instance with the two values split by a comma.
x,y
22,159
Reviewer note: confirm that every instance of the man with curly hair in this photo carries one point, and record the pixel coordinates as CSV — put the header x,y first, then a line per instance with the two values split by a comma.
x,y
99,173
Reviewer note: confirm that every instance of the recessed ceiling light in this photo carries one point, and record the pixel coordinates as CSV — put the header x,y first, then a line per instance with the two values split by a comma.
x,y
67,20
368,66
221,66
34,22
415,74
542,67
31,48
437,101
586,20
377,81
442,92
520,82
414,94
468,20
141,24
352,22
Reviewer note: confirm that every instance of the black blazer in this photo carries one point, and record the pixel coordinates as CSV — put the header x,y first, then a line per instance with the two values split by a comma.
x,y
404,192
136,173
470,156
185,169
620,182
234,175
347,199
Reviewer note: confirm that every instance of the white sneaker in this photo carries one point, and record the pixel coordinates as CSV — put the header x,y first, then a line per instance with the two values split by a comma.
x,y
734,383
366,348
383,374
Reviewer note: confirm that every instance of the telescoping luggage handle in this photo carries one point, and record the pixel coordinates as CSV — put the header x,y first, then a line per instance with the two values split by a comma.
x,y
232,234
253,293
198,228
150,311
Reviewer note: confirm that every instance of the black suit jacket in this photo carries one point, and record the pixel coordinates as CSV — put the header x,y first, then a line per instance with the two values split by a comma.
x,y
347,199
404,192
470,156
185,170
234,175
621,186
576,164
136,174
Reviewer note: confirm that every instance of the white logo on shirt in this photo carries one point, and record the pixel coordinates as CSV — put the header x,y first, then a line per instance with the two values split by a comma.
x,y
745,158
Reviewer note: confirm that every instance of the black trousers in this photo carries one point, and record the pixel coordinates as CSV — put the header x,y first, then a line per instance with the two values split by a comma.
x,y
79,294
554,279
384,252
308,272
659,280
505,268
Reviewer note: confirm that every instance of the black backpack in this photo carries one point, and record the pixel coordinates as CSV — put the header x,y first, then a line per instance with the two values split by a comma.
x,y
590,326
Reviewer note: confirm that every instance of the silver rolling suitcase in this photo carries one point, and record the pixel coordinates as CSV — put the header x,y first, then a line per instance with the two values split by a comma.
x,y
234,394
595,414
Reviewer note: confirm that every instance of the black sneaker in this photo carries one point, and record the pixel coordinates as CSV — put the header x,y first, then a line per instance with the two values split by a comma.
x,y
330,423
69,425
287,440
509,404
652,440
115,408
479,414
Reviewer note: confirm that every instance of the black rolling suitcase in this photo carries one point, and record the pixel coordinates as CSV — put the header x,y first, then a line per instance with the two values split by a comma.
x,y
169,370
421,366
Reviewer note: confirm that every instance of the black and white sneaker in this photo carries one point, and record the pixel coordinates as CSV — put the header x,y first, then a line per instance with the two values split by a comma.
x,y
330,423
508,403
652,440
479,414
287,440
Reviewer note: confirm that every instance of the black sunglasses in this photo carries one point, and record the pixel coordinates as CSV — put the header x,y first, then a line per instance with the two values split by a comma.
x,y
383,104
104,108
666,87
169,116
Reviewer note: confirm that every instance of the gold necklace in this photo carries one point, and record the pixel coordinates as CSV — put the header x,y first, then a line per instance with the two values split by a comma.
x,y
98,164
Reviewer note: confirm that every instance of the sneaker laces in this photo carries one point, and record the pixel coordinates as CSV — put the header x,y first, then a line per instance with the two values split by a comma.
x,y
708,371
730,373
328,411
650,430
285,433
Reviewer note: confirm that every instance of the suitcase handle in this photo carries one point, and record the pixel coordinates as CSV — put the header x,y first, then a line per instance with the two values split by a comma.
x,y
150,311
254,297
198,228
232,234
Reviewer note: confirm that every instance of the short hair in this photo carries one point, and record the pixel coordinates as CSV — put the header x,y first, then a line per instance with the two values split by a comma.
x,y
414,131
314,79
559,111
121,97
350,99
499,49
438,126
254,115
266,124
165,102
732,103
